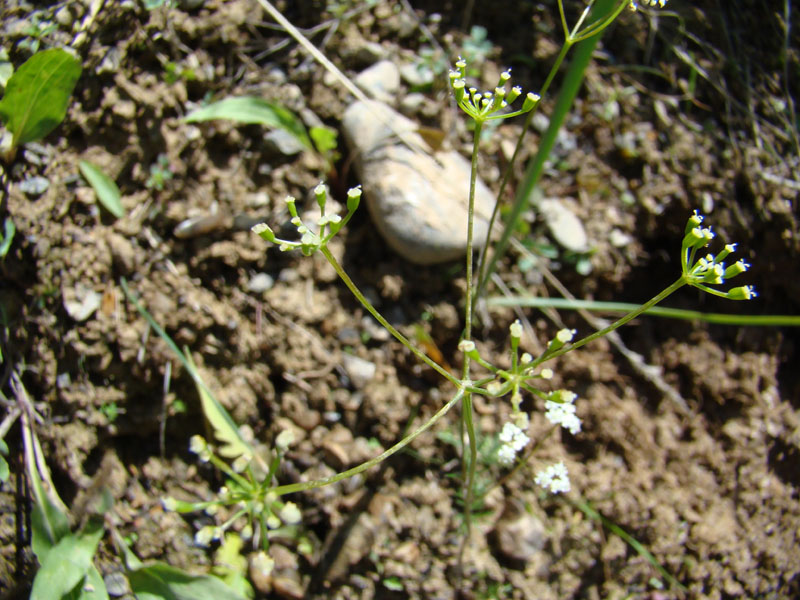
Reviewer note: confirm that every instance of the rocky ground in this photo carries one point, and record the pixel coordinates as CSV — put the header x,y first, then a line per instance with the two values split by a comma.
x,y
688,108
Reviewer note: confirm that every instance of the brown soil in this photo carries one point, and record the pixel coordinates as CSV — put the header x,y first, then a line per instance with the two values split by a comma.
x,y
705,477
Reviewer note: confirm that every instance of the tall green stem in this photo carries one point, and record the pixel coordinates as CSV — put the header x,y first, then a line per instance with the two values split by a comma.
x,y
616,324
291,488
379,317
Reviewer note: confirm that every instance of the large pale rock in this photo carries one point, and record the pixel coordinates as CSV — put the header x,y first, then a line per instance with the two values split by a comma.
x,y
418,201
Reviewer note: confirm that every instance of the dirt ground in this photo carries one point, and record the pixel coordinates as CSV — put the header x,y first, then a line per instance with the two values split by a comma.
x,y
688,108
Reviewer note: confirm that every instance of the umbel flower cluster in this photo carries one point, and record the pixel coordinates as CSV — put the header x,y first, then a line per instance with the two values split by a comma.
x,y
703,271
484,106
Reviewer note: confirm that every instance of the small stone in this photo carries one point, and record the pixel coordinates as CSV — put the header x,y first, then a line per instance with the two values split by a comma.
x,y
369,53
63,17
260,283
565,227
282,142
81,302
519,535
417,75
34,186
359,371
335,454
619,238
116,584
286,587
417,201
381,81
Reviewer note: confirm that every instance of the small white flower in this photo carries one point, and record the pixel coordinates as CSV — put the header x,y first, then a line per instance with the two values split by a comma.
x,y
565,335
466,346
204,535
547,373
285,439
506,454
273,522
290,514
554,478
563,413
512,440
515,329
514,436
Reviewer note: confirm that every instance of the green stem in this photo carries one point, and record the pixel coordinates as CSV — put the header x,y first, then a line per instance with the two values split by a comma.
x,y
291,488
569,89
374,312
509,169
616,324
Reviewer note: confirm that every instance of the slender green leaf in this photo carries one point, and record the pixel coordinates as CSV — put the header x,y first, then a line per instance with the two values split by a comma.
x,y
159,581
3,464
224,426
9,229
250,110
67,563
49,520
225,429
37,95
623,308
590,512
105,188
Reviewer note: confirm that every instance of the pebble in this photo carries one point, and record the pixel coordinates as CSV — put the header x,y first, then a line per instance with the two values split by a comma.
x,y
381,81
116,584
359,371
280,141
519,535
417,75
34,186
417,201
260,283
564,226
81,302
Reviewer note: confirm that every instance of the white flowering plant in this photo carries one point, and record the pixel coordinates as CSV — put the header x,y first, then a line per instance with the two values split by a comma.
x,y
252,495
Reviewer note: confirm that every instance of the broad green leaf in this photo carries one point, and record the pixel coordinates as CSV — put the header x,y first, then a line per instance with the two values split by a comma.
x,y
37,95
105,188
159,581
250,110
93,588
67,563
324,138
225,429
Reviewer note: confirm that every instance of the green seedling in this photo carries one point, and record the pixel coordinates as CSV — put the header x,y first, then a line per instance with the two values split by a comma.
x,y
160,173
104,187
249,110
476,49
36,30
37,95
173,72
